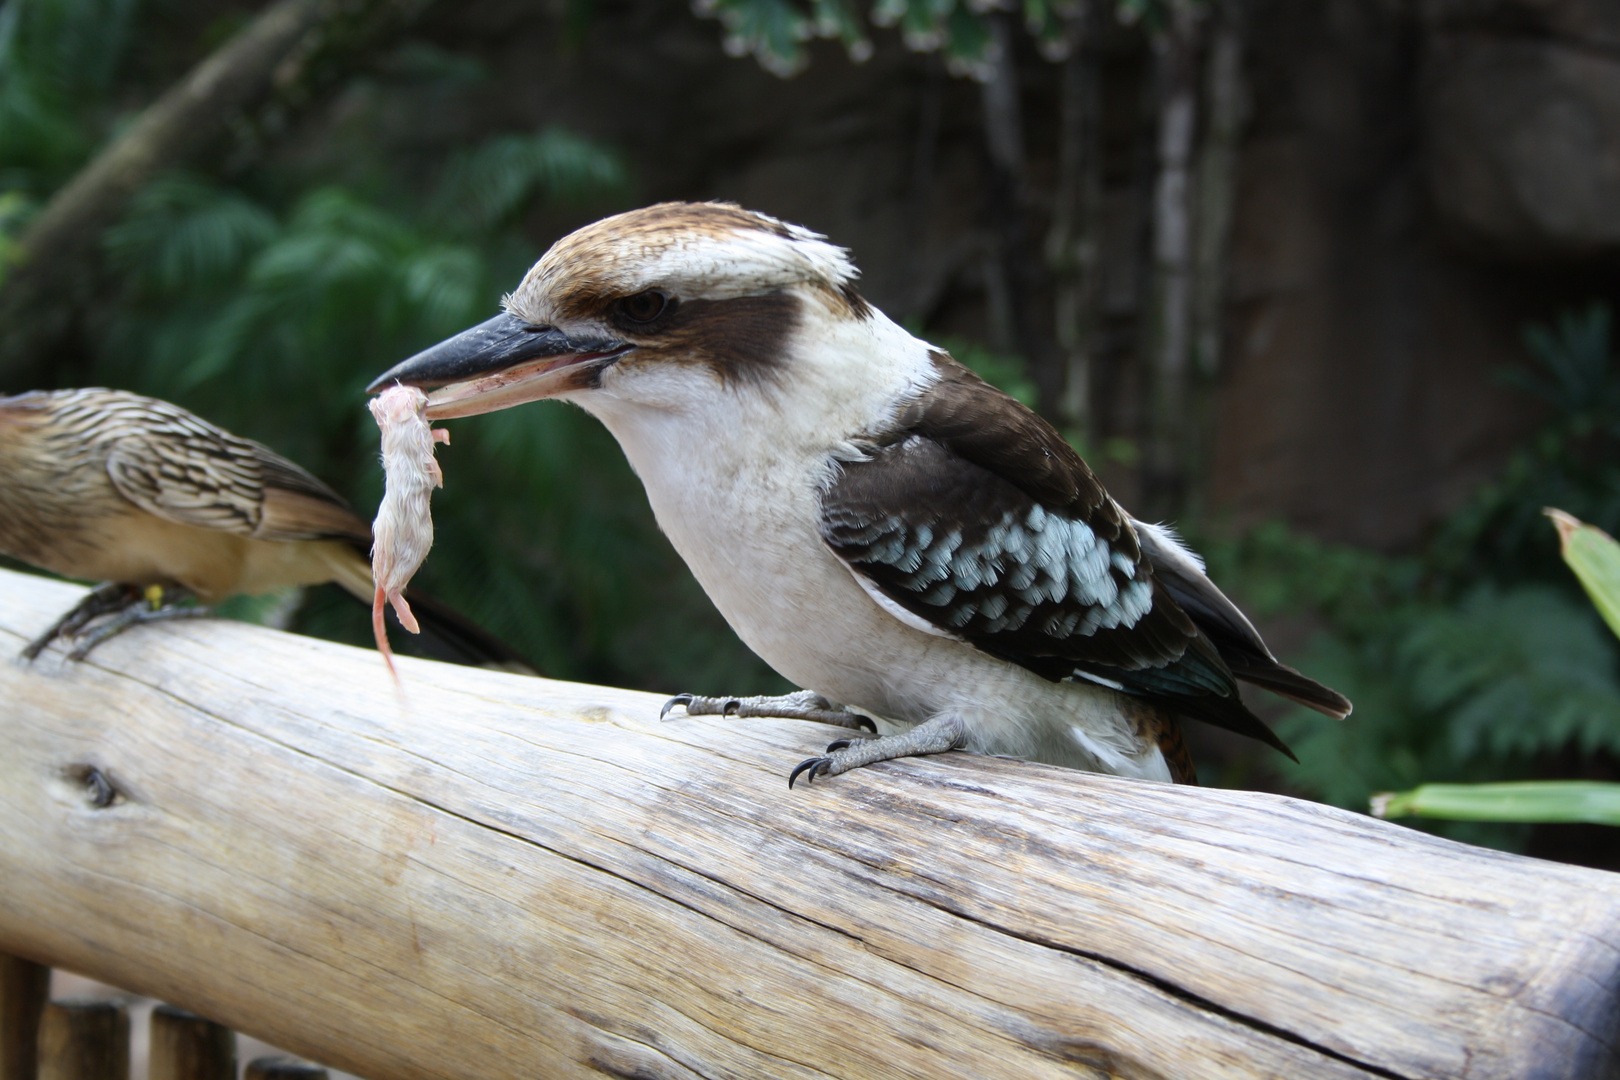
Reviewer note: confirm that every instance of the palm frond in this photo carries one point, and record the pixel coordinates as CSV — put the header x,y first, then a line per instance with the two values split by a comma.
x,y
494,183
1577,374
183,232
58,59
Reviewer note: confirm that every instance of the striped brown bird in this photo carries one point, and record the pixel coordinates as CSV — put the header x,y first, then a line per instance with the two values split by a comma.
x,y
104,485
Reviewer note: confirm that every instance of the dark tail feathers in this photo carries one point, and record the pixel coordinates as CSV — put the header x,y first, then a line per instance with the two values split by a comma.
x,y
449,635
1284,680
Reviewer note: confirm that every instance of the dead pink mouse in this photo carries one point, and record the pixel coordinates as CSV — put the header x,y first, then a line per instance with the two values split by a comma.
x,y
403,531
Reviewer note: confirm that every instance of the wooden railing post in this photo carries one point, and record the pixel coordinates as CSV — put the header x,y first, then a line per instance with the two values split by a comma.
x,y
24,988
187,1047
84,1039
282,1067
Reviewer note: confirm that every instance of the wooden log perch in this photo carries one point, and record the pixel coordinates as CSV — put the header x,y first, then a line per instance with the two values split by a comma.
x,y
506,877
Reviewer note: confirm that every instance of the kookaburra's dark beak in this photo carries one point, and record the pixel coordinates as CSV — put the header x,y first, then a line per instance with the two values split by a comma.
x,y
500,363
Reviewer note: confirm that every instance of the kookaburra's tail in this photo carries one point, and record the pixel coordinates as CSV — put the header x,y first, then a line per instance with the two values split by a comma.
x,y
1281,679
1228,629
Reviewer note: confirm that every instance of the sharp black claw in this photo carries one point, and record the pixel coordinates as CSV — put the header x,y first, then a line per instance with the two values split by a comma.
x,y
813,765
838,744
730,707
682,700
866,722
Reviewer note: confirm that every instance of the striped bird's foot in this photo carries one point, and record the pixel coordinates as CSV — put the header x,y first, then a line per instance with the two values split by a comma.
x,y
800,705
126,606
934,736
105,599
135,615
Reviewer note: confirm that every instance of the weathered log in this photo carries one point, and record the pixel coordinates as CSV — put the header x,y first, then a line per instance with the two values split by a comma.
x,y
499,876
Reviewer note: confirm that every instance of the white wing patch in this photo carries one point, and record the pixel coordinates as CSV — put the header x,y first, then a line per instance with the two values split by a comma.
x,y
1172,549
916,622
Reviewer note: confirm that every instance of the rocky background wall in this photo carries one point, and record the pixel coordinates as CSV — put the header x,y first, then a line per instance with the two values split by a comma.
x,y
1414,181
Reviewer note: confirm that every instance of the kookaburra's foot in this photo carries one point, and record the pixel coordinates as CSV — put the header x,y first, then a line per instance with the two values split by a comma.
x,y
800,705
934,736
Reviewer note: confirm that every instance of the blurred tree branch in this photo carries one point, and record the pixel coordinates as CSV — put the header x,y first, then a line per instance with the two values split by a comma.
x,y
247,87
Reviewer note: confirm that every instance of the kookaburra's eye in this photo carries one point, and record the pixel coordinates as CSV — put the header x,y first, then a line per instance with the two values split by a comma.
x,y
644,307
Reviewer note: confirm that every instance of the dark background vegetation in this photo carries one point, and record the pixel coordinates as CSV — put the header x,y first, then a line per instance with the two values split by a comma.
x,y
1326,284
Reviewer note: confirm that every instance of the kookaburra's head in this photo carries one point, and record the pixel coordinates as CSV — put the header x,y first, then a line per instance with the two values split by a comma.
x,y
655,306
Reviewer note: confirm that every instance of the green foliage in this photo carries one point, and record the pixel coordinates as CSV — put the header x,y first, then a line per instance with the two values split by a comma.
x,y
488,187
1478,658
1546,800
774,32
1595,558
1577,377
58,62
1578,703
183,230
1572,462
268,302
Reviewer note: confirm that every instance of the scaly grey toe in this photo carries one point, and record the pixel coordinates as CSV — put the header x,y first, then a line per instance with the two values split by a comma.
x,y
130,617
934,736
103,599
800,705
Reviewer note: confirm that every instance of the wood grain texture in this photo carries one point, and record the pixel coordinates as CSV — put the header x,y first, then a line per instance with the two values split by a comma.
x,y
503,877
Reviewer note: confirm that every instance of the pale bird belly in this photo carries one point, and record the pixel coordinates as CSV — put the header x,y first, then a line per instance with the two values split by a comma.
x,y
141,549
744,517
802,612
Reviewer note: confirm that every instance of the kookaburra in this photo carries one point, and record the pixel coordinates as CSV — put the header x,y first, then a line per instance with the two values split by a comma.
x,y
104,485
881,526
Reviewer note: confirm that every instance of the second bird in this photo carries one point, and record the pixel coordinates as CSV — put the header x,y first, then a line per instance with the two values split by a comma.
x,y
104,485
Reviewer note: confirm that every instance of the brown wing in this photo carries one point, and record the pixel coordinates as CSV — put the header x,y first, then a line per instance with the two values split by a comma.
x,y
177,466
976,517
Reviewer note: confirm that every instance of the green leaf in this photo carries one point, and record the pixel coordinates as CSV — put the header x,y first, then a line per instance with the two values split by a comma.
x,y
490,186
1577,373
1529,800
183,232
1595,558
773,31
